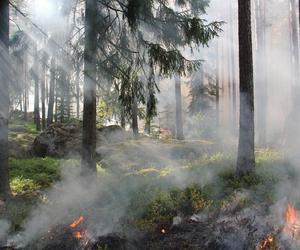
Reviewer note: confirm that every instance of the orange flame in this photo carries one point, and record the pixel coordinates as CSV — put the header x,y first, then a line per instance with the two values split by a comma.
x,y
78,235
268,243
292,222
77,222
78,232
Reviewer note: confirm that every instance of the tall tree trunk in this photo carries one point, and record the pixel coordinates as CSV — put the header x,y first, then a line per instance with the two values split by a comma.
x,y
51,93
34,73
246,155
135,124
62,106
89,103
77,80
25,86
43,89
293,120
4,100
233,69
261,75
37,119
295,51
68,97
179,124
217,90
123,118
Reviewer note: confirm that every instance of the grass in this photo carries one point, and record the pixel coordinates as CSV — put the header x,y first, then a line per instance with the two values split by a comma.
x,y
160,193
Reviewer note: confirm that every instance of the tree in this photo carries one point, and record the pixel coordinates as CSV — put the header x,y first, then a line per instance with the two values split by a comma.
x,y
43,87
261,64
103,22
246,155
179,123
89,103
35,77
4,98
51,92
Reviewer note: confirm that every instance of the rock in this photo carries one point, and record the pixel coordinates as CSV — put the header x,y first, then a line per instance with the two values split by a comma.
x,y
62,140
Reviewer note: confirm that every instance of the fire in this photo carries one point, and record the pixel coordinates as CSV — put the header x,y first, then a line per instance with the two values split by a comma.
x,y
78,231
292,222
268,243
163,231
77,222
78,235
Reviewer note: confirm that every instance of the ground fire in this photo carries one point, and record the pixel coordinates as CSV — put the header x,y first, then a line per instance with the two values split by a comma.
x,y
290,229
292,223
79,232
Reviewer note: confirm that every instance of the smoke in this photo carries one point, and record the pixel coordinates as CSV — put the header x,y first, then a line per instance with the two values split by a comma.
x,y
4,229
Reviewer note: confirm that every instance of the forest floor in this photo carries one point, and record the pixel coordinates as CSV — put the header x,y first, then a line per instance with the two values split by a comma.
x,y
154,181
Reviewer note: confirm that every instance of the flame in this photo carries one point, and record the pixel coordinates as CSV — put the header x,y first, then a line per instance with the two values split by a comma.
x,y
163,231
292,222
77,222
268,243
78,235
78,232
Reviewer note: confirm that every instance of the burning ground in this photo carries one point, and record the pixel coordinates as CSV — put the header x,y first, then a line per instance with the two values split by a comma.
x,y
152,194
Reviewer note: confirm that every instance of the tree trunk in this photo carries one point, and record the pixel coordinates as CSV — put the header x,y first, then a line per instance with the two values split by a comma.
x,y
43,90
37,119
135,124
4,100
261,75
89,103
51,93
217,90
295,52
246,155
179,125
68,97
77,92
25,87
123,118
233,70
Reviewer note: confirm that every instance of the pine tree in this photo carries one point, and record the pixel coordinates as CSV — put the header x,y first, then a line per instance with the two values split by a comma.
x,y
89,103
4,98
246,156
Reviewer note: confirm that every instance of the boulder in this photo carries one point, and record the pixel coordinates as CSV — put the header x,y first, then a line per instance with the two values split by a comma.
x,y
62,140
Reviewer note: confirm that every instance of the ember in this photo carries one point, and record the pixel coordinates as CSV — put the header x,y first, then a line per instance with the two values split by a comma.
x,y
163,231
268,243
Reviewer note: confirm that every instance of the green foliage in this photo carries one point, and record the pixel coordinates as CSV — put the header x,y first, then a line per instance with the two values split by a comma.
x,y
16,211
160,207
104,112
172,61
31,175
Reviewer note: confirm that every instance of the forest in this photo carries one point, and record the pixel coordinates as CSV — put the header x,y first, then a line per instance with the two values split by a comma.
x,y
149,124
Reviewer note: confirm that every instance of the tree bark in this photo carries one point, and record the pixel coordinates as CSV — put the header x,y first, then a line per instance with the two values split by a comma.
x,y
25,86
4,100
34,73
246,152
43,90
261,79
233,70
179,124
123,118
51,93
89,103
217,90
135,124
77,92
